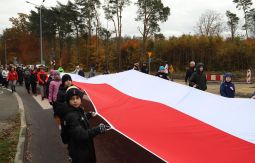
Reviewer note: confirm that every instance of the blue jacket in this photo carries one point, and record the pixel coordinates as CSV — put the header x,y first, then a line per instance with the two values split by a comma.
x,y
227,89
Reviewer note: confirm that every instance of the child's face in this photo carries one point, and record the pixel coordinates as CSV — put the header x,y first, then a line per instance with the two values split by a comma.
x,y
75,101
228,79
68,83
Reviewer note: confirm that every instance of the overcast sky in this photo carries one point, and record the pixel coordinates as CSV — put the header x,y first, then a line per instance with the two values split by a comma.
x,y
184,14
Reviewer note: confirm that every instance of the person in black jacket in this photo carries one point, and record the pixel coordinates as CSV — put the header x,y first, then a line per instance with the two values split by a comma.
x,y
190,71
81,72
198,78
33,80
76,131
144,69
66,82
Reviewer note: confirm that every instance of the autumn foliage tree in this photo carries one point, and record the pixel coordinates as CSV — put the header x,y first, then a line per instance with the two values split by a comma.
x,y
71,40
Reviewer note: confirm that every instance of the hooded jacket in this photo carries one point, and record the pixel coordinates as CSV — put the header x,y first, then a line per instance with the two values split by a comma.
x,y
227,89
198,78
78,133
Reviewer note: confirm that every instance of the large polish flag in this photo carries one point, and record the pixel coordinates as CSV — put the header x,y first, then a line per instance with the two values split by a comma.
x,y
176,123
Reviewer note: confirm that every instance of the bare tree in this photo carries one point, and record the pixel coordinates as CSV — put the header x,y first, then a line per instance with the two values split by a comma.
x,y
210,24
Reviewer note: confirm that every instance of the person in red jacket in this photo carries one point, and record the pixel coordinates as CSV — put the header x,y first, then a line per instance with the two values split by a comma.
x,y
42,78
12,78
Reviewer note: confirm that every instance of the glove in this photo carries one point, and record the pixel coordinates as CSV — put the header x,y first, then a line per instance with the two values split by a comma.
x,y
102,128
93,114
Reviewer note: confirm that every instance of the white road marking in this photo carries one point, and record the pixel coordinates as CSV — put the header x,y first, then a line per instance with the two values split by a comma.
x,y
44,104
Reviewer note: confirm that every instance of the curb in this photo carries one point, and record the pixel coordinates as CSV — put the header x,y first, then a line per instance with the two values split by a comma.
x,y
22,134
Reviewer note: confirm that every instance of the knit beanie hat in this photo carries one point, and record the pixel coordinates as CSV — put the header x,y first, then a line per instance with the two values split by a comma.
x,y
57,75
65,78
73,91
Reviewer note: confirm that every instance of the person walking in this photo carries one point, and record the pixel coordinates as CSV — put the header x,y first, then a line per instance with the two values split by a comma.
x,y
1,76
227,88
198,78
53,89
42,78
27,78
20,75
5,73
190,71
12,78
33,80
50,78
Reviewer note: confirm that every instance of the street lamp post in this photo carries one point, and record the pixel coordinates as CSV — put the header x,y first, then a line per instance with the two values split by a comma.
x,y
41,36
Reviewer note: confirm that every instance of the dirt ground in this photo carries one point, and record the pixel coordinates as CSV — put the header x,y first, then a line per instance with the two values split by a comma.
x,y
242,89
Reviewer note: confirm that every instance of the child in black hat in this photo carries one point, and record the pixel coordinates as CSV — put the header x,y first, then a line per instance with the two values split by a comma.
x,y
76,131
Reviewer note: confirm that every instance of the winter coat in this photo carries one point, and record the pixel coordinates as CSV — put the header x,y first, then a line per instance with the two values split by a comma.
x,y
189,73
81,73
27,75
12,76
162,75
48,85
144,70
199,79
227,89
80,135
42,77
5,73
33,77
20,74
61,96
53,90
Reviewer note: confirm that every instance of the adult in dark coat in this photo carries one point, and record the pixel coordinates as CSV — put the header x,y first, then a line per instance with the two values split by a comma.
x,y
20,75
27,78
227,88
198,78
144,69
81,72
33,80
76,130
190,71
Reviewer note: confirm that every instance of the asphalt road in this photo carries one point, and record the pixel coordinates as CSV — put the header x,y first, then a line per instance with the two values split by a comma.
x,y
44,144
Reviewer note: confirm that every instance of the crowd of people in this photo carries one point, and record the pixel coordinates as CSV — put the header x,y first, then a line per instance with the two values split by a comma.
x,y
66,100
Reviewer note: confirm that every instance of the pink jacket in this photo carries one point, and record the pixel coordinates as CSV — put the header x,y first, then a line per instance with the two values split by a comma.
x,y
53,90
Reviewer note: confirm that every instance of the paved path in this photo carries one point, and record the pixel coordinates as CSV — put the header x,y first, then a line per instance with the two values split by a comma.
x,y
44,144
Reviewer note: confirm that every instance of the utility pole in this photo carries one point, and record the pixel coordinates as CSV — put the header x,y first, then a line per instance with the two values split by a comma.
x,y
41,36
